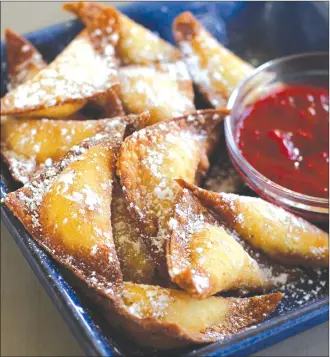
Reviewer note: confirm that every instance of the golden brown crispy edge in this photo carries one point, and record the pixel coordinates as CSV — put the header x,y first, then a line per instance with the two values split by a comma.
x,y
156,332
286,238
22,167
203,122
137,45
102,34
25,204
215,70
23,59
135,260
203,258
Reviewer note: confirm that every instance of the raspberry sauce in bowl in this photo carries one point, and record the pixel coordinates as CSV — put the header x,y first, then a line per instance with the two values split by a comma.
x,y
285,136
277,134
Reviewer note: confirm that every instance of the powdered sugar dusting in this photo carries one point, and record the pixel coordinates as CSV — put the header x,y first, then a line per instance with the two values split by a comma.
x,y
267,210
212,67
27,69
99,267
139,45
158,155
196,253
20,167
33,192
186,221
171,149
78,72
154,303
149,88
92,200
26,142
22,65
176,71
134,259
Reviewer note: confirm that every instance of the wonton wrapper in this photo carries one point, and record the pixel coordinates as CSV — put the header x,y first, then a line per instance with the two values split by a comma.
x,y
278,233
153,157
84,70
23,60
203,258
28,144
90,14
215,70
135,262
165,91
66,209
168,318
137,44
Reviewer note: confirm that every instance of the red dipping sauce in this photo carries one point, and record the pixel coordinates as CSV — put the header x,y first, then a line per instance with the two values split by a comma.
x,y
285,136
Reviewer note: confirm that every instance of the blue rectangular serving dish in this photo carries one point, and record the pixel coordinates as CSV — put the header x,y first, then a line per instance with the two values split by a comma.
x,y
257,31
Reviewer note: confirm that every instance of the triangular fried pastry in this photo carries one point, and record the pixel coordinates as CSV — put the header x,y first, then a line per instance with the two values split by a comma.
x,y
203,258
167,318
23,60
165,91
135,262
84,70
67,210
137,44
153,157
280,234
215,70
29,144
97,20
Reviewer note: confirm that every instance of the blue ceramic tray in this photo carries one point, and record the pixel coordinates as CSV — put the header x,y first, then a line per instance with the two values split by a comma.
x,y
257,31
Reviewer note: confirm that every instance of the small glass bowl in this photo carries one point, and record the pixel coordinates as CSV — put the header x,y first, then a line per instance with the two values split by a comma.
x,y
302,69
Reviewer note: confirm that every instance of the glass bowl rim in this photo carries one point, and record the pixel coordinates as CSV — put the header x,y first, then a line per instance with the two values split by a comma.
x,y
231,142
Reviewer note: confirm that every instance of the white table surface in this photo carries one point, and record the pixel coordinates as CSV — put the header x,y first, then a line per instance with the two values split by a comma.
x,y
30,323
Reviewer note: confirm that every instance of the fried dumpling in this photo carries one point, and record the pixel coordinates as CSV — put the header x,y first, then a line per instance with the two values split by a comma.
x,y
215,70
203,258
28,144
167,318
23,60
84,70
103,24
135,261
165,90
280,234
153,157
137,44
66,209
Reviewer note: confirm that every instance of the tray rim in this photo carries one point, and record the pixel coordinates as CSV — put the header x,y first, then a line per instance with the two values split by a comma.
x,y
90,336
